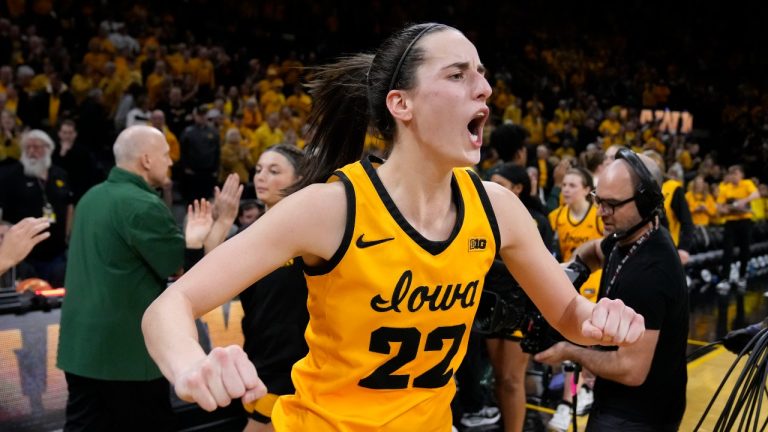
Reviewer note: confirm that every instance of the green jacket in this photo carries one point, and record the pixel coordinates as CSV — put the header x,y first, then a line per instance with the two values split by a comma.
x,y
125,243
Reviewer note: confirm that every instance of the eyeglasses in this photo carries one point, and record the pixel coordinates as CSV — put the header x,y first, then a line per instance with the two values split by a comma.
x,y
609,206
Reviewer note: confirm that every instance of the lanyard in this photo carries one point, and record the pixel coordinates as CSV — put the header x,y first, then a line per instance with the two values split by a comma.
x,y
631,252
43,185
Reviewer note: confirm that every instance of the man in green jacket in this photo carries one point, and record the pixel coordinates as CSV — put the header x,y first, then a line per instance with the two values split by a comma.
x,y
125,244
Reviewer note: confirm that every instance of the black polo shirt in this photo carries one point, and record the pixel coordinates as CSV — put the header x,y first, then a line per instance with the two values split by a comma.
x,y
23,196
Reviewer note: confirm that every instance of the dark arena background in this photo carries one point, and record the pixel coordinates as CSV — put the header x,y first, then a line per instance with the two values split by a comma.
x,y
686,79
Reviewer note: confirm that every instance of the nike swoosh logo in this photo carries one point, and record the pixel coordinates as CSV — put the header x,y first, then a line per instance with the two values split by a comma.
x,y
362,244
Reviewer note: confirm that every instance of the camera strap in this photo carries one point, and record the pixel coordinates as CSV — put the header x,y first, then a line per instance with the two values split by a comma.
x,y
631,252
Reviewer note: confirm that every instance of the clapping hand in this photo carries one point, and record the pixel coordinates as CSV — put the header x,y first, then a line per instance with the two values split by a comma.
x,y
227,199
20,239
559,172
199,222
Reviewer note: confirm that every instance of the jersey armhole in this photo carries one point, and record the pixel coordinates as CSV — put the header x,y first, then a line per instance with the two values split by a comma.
x,y
487,207
349,227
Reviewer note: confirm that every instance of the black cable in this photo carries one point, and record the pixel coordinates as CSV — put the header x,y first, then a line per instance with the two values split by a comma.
x,y
702,348
765,424
745,400
736,400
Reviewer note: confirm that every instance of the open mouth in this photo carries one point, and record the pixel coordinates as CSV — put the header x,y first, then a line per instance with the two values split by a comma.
x,y
475,126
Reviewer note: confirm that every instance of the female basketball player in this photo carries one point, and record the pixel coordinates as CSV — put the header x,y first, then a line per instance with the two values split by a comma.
x,y
576,222
275,307
394,253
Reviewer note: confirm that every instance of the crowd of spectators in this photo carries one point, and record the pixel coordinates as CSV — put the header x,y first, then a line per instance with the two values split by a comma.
x,y
223,81
81,73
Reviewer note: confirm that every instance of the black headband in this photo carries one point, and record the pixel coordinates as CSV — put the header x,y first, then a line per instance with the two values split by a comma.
x,y
405,54
294,155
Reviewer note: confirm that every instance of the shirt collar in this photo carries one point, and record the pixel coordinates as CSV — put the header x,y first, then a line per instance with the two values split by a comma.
x,y
119,175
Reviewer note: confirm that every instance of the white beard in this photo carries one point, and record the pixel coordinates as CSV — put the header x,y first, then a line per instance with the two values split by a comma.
x,y
37,168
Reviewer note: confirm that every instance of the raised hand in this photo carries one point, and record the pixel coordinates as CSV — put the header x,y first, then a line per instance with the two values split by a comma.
x,y
559,172
20,239
227,199
199,223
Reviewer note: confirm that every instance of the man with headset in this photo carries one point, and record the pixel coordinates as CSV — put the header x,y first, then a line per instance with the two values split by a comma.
x,y
639,387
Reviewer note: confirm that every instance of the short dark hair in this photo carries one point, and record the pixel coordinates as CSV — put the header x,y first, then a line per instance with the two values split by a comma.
x,y
68,122
508,140
249,204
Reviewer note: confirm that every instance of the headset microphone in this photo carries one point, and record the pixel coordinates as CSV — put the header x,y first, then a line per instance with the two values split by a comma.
x,y
648,196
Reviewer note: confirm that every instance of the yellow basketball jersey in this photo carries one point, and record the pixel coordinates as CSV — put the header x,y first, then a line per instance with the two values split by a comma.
x,y
572,234
668,190
390,314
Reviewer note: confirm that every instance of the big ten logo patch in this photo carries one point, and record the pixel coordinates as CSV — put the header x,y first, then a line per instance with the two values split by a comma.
x,y
477,244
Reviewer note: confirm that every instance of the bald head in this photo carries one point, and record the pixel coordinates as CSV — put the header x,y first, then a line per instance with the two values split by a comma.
x,y
144,151
620,171
133,142
618,174
624,213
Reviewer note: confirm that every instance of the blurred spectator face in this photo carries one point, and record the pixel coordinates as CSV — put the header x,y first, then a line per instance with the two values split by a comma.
x,y
36,157
175,95
291,137
763,188
157,118
273,120
246,88
542,152
716,171
200,116
233,93
735,174
109,69
234,137
24,75
249,216
7,120
67,134
6,74
55,82
214,117
574,190
699,185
